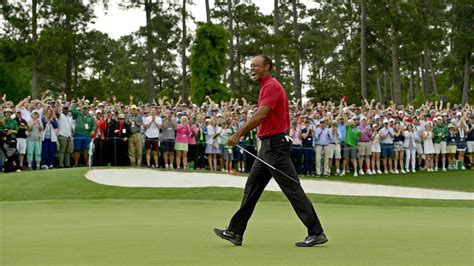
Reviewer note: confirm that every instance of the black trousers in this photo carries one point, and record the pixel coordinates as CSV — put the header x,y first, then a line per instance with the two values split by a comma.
x,y
277,152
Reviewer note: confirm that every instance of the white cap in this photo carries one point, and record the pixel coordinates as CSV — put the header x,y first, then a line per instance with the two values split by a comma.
x,y
376,116
435,119
35,111
391,120
400,112
374,124
363,118
459,113
219,115
385,121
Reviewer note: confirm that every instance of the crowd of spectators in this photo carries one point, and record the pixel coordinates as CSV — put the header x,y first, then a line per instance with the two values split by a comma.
x,y
328,138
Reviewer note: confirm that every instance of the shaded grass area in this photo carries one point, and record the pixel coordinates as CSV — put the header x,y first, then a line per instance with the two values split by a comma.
x,y
164,232
71,184
450,180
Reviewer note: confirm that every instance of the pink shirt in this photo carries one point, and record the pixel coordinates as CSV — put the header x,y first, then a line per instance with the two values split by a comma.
x,y
192,135
295,135
182,133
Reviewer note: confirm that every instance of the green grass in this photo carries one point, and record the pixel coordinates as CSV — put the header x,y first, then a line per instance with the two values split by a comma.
x,y
59,217
157,232
451,180
71,184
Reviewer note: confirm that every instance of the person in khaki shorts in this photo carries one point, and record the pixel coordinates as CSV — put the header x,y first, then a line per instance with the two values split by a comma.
x,y
334,147
364,146
135,142
440,131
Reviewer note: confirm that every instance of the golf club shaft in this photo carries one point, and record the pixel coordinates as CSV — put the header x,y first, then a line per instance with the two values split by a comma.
x,y
264,162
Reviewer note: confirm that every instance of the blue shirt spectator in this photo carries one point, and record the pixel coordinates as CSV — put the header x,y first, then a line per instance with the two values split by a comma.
x,y
322,135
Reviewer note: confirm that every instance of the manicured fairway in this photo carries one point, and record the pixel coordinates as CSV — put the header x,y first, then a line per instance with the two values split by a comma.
x,y
131,232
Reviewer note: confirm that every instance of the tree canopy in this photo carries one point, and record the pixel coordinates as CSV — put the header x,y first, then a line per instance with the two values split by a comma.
x,y
401,51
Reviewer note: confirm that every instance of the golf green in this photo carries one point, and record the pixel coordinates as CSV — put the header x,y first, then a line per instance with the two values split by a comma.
x,y
170,231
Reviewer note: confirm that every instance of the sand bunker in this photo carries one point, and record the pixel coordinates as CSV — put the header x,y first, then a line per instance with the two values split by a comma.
x,y
135,177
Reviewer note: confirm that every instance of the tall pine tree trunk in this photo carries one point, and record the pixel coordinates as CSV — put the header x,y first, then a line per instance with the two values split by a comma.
x,y
379,88
424,73
69,54
296,65
395,64
386,90
34,66
433,77
208,12
239,65
276,30
231,46
410,88
467,71
149,53
363,50
184,90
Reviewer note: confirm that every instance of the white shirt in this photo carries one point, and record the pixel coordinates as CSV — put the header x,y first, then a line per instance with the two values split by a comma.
x,y
153,131
386,135
65,125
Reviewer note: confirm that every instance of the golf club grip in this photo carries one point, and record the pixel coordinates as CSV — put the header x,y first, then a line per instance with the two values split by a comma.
x,y
263,161
269,165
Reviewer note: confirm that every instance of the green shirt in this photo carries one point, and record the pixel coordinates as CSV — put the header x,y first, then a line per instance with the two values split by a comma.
x,y
352,133
84,124
443,129
12,124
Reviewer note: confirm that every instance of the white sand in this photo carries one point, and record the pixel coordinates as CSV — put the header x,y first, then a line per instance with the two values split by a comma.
x,y
134,177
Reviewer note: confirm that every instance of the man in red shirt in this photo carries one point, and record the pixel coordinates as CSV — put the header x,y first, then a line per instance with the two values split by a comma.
x,y
273,121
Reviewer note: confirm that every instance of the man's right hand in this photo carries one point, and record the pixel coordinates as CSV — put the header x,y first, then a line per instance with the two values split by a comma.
x,y
233,140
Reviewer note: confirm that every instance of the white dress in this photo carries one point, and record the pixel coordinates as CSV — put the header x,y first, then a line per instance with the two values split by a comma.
x,y
375,146
428,146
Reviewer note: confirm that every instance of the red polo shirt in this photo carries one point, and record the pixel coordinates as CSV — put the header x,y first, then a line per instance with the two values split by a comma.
x,y
274,96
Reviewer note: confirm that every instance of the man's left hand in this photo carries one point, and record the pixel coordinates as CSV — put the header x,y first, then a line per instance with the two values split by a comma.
x,y
233,140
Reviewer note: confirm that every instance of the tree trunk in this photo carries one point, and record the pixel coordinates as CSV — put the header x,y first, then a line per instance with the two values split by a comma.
x,y
363,50
433,77
276,26
395,65
208,12
424,73
385,87
69,56
410,88
149,52
34,66
239,66
467,71
231,46
379,88
296,66
184,91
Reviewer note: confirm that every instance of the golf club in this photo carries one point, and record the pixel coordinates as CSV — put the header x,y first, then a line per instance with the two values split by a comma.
x,y
260,159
